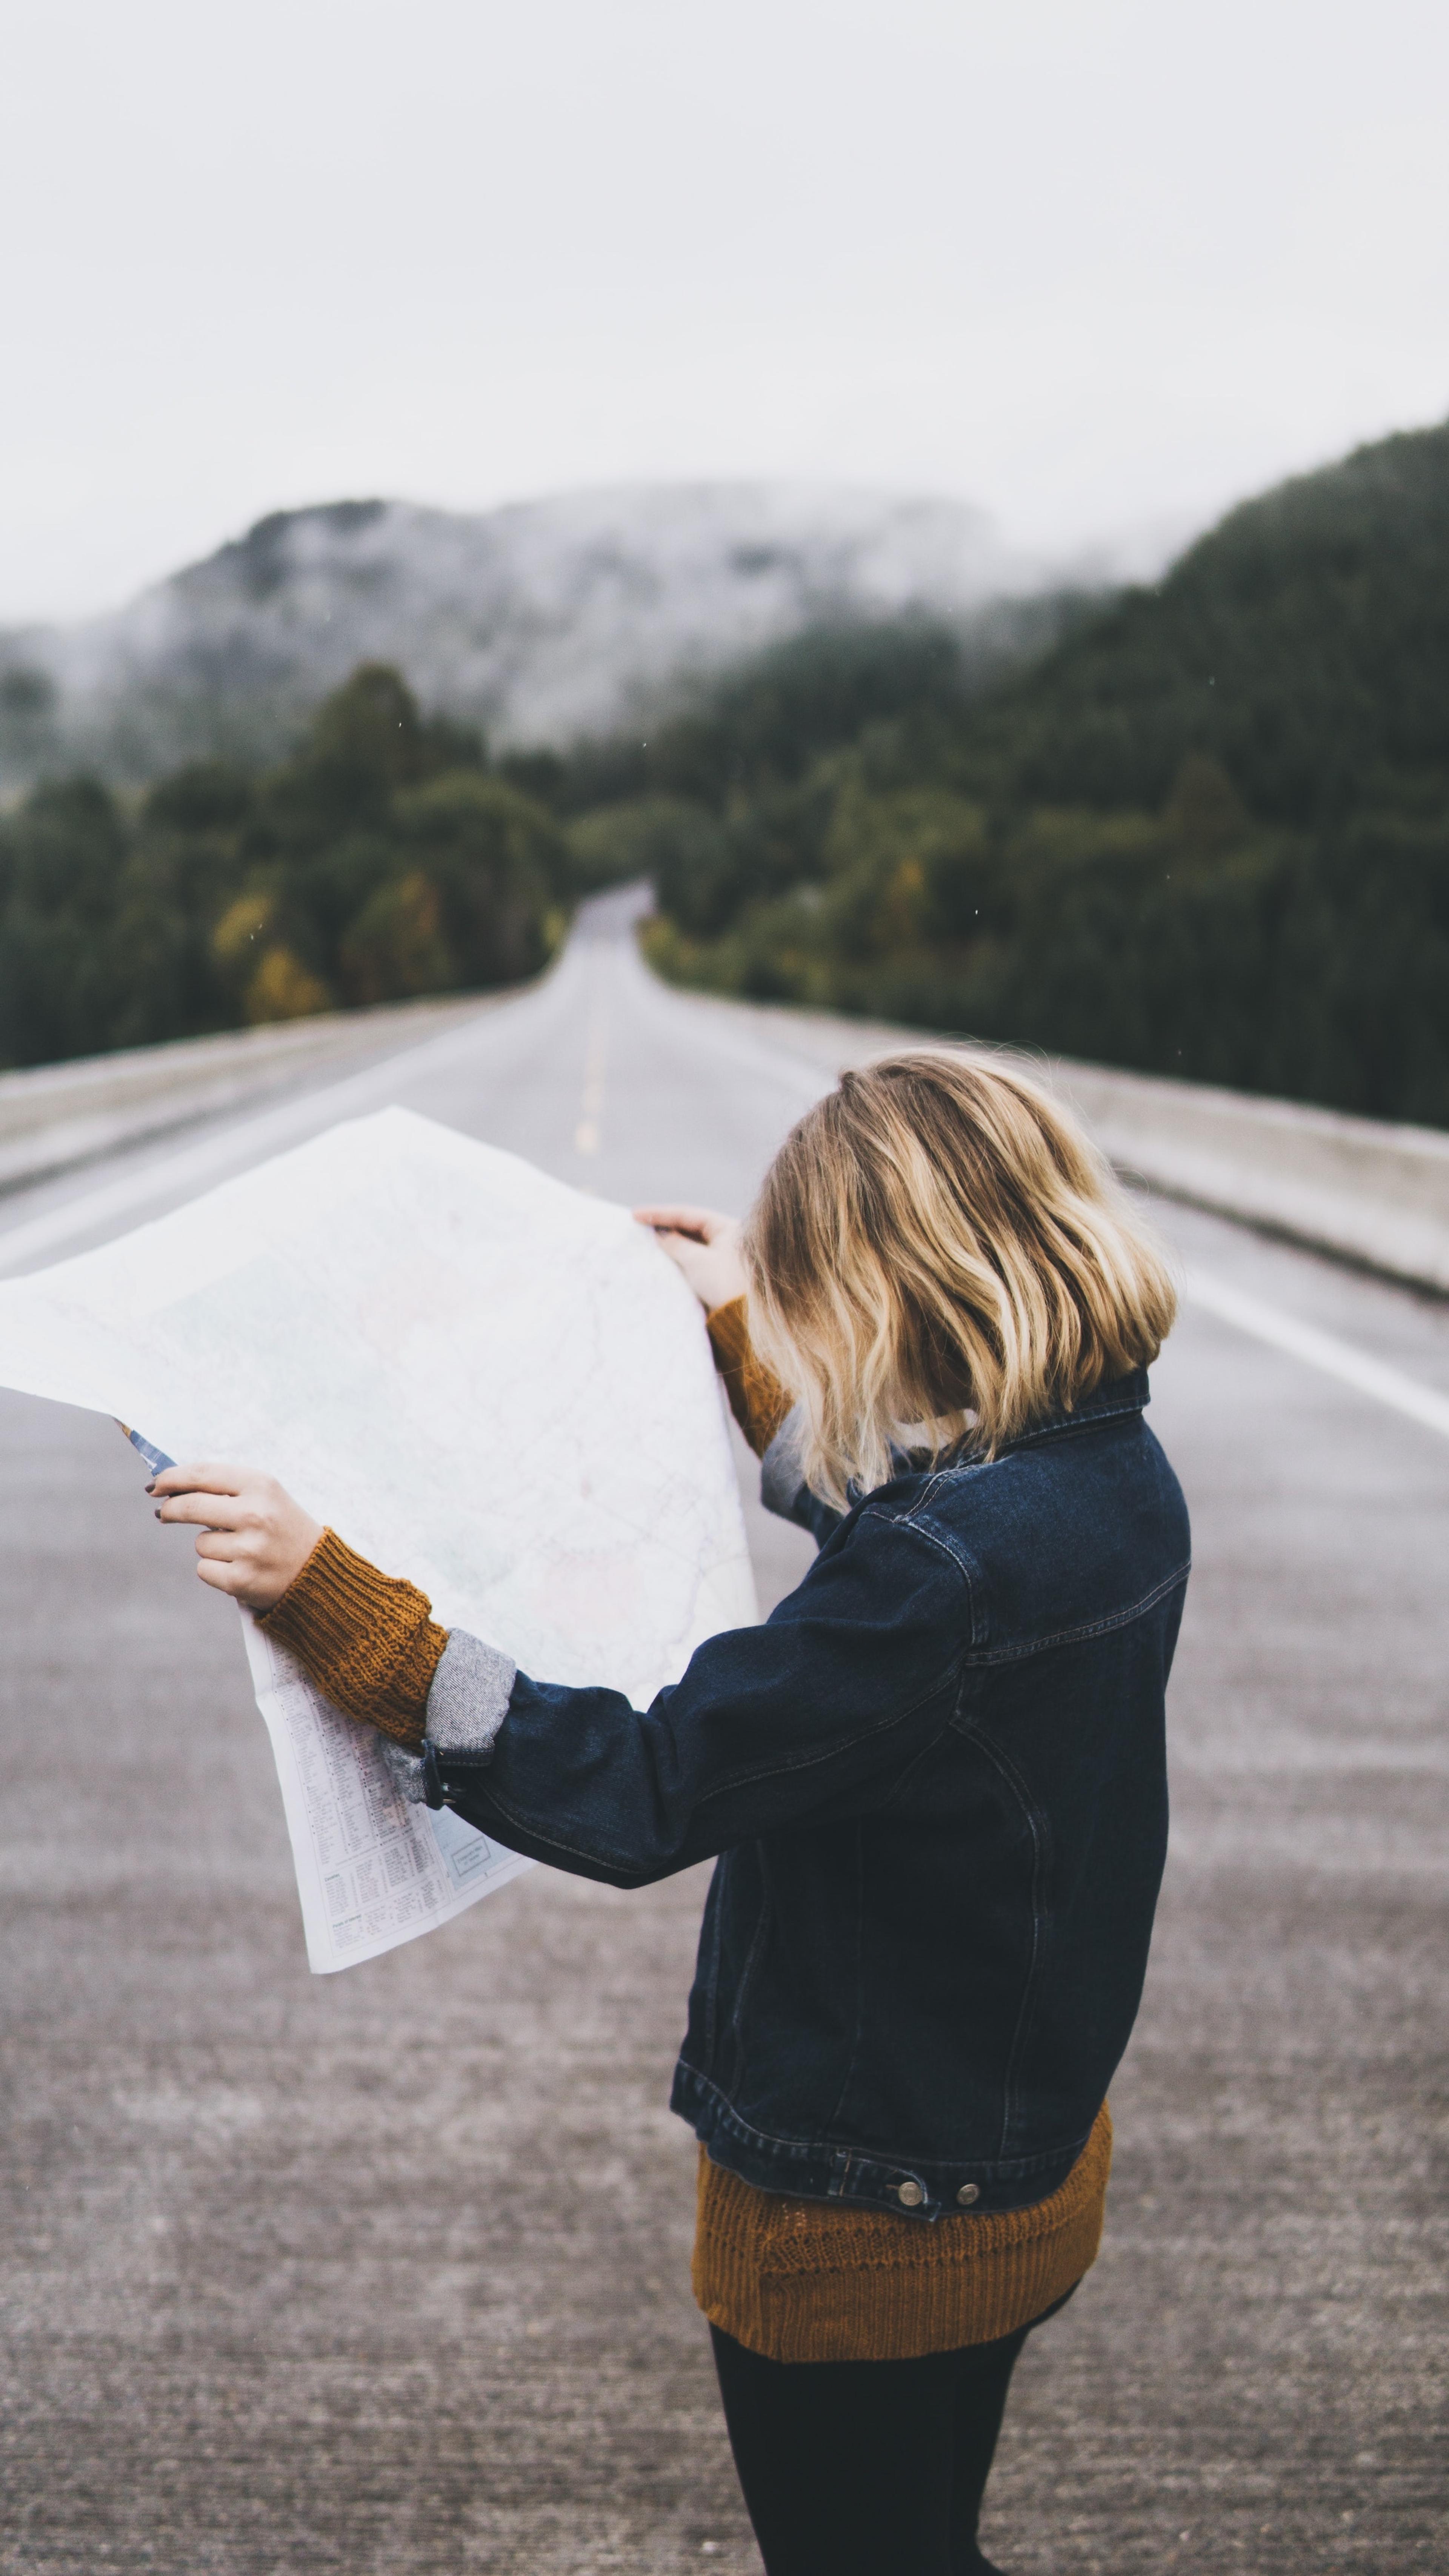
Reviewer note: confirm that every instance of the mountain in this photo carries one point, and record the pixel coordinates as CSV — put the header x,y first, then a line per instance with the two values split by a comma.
x,y
543,621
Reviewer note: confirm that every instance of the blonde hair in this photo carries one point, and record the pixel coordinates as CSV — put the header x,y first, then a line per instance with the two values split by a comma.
x,y
939,1248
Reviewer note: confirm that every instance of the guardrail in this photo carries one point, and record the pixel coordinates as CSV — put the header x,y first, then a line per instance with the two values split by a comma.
x,y
54,1116
1361,1189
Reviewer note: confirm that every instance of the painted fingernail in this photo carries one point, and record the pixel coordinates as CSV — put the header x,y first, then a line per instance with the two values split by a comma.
x,y
156,1515
151,1488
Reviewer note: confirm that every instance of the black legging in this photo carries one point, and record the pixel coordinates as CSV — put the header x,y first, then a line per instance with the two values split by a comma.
x,y
866,2468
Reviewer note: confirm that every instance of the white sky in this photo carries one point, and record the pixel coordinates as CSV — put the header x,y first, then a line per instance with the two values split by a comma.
x,y
1097,264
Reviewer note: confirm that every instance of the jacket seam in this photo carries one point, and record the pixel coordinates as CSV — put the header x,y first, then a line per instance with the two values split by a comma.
x,y
1035,1825
714,1923
967,1571
752,1958
906,2161
846,2079
941,1681
909,1769
576,1851
1087,1628
831,1752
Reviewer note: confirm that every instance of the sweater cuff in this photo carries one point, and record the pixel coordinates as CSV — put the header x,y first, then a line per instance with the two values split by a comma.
x,y
757,1399
470,1696
367,1640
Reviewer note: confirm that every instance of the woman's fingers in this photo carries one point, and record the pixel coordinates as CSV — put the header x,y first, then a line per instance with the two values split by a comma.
x,y
202,1479
224,1578
253,1538
214,1511
711,1264
224,1545
702,1224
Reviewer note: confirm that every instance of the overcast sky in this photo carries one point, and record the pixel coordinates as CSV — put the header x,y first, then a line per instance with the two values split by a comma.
x,y
1100,265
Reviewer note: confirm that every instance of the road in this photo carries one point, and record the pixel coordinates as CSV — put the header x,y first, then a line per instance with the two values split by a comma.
x,y
388,2272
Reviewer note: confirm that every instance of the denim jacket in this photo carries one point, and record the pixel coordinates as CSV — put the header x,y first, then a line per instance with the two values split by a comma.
x,y
935,1782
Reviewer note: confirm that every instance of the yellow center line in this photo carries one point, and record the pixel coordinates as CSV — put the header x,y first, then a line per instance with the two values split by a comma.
x,y
591,1104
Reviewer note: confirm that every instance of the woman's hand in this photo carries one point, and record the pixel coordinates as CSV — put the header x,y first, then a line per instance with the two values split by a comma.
x,y
253,1540
705,1246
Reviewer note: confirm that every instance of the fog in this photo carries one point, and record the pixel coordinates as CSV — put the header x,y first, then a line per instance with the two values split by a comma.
x,y
1100,267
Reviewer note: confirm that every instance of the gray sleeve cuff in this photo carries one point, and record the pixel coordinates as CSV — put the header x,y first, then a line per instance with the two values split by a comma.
x,y
780,1477
469,1698
406,1769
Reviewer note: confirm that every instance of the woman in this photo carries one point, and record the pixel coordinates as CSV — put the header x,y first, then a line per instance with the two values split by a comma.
x,y
934,1778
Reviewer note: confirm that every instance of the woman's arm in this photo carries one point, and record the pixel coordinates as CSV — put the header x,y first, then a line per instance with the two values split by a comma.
x,y
368,1641
757,1400
705,1246
810,1716
853,1673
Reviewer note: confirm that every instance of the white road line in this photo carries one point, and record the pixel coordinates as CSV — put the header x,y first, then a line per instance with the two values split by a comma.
x,y
591,1104
1323,1351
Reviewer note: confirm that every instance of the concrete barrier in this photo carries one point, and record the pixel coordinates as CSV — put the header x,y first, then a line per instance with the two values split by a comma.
x,y
54,1116
1361,1189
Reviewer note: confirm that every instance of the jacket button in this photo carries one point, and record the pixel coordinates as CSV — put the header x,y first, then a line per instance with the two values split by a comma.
x,y
909,2194
969,2193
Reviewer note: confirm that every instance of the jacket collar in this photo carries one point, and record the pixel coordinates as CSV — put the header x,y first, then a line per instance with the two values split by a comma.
x,y
1117,1395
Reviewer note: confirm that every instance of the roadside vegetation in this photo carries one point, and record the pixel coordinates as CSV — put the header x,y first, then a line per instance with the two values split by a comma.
x,y
1205,834
383,861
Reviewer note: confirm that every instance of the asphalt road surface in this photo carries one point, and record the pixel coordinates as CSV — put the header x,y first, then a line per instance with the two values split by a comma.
x,y
388,2272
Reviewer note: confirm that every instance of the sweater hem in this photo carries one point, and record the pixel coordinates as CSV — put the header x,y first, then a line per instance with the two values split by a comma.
x,y
795,2282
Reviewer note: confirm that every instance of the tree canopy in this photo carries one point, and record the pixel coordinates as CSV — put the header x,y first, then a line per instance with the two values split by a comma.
x,y
384,860
1205,831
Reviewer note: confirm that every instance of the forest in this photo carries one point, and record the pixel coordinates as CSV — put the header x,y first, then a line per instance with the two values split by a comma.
x,y
1199,829
1207,833
384,860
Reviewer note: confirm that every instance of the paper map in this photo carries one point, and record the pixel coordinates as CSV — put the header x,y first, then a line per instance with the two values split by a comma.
x,y
484,1380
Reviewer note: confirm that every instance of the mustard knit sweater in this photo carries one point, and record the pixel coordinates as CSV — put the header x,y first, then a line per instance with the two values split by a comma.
x,y
795,2280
